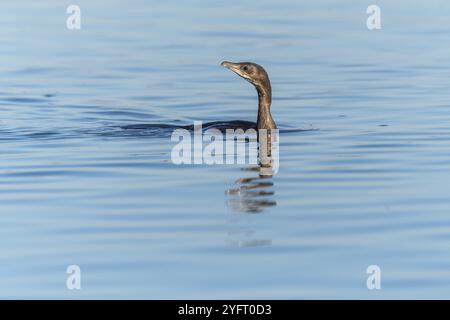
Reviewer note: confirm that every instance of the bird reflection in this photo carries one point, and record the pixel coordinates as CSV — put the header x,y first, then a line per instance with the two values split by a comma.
x,y
253,195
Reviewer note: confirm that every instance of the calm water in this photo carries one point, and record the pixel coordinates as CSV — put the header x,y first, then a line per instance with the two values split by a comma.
x,y
369,186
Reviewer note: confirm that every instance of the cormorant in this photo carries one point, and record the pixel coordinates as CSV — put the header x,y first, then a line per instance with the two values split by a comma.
x,y
256,75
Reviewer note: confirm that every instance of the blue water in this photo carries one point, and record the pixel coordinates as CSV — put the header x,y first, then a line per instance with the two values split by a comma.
x,y
368,186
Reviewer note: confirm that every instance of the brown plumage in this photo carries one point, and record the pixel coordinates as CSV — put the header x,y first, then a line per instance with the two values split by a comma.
x,y
256,75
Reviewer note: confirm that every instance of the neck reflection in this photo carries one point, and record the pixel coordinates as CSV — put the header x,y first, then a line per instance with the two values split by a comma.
x,y
254,194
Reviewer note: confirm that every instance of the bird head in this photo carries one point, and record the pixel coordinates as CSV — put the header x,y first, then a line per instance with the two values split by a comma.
x,y
252,72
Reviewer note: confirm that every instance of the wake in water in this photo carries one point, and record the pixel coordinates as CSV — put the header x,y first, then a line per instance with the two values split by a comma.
x,y
150,130
161,129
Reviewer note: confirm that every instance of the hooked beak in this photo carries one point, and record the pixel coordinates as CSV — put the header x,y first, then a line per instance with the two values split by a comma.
x,y
235,67
230,65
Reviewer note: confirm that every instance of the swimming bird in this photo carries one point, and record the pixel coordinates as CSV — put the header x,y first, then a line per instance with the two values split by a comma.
x,y
253,73
257,76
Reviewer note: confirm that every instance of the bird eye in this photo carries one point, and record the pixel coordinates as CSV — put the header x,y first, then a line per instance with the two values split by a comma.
x,y
245,68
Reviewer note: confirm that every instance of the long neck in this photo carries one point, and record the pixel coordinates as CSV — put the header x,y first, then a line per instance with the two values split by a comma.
x,y
265,120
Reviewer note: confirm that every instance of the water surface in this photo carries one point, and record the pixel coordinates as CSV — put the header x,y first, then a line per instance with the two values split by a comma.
x,y
369,186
